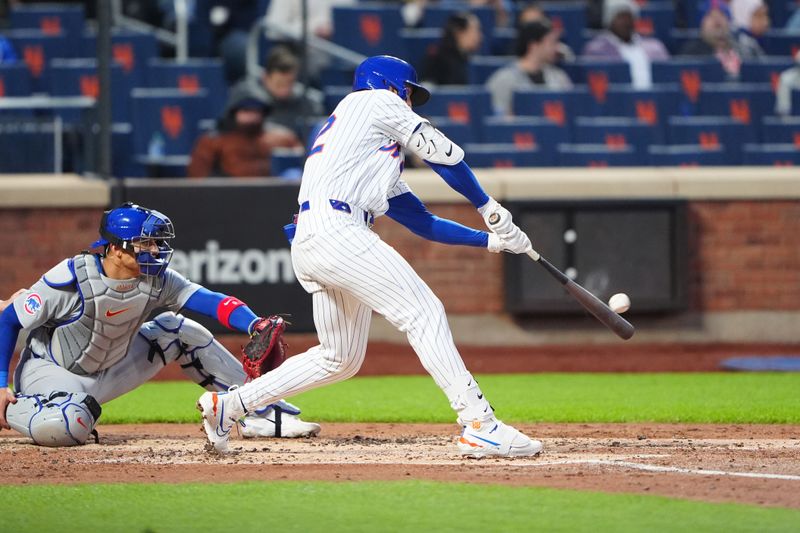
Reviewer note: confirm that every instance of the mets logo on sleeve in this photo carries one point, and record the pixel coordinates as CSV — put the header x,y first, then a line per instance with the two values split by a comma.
x,y
33,303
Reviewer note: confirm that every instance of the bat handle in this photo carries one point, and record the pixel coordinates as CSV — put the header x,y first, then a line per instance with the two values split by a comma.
x,y
533,254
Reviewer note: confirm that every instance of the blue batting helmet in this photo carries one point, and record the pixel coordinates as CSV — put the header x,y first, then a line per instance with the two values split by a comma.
x,y
128,224
382,72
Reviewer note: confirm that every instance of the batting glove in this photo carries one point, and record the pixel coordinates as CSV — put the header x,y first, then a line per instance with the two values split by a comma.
x,y
515,242
497,218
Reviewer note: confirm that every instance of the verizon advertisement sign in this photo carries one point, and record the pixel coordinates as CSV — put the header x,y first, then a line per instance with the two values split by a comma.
x,y
229,238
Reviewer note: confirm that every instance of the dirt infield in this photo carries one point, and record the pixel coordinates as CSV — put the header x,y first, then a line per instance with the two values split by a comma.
x,y
756,464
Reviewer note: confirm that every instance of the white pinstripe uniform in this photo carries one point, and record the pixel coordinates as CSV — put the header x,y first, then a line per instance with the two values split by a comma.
x,y
350,271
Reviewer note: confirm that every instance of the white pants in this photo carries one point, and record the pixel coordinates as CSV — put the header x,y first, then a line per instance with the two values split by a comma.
x,y
350,271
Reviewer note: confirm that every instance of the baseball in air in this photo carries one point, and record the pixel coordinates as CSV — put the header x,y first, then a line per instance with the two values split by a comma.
x,y
619,303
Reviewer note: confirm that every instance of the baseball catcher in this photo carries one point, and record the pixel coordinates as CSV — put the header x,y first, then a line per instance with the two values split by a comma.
x,y
89,341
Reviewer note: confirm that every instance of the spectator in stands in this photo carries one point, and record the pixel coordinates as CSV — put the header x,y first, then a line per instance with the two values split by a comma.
x,y
448,63
7,52
291,103
787,83
716,39
242,146
533,12
536,48
751,21
621,42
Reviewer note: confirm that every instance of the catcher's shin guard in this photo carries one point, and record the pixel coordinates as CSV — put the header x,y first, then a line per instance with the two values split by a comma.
x,y
62,419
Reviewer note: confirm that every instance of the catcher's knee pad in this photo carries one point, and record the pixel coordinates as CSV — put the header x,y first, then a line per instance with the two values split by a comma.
x,y
62,419
171,334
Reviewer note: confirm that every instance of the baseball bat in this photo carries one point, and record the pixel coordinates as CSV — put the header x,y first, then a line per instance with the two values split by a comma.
x,y
589,301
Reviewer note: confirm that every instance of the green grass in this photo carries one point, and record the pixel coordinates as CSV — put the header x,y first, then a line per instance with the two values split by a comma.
x,y
373,506
712,397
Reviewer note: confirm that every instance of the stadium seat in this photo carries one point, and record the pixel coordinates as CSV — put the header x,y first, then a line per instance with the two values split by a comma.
x,y
123,163
132,50
50,19
712,132
459,132
527,132
369,30
502,41
650,106
504,156
598,155
419,42
744,102
333,95
765,70
15,80
286,162
678,37
680,155
36,49
781,130
78,77
28,146
466,105
482,67
190,77
598,76
779,155
617,132
560,107
656,19
165,121
690,75
570,17
781,43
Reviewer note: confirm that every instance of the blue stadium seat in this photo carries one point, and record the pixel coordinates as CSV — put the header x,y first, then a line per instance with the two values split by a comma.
x,y
165,121
796,102
781,42
650,106
286,162
132,50
560,107
482,67
190,77
504,156
690,75
459,132
36,49
467,105
436,16
369,30
526,133
27,146
419,42
712,132
78,77
598,155
51,19
656,19
680,155
779,155
570,17
123,162
583,70
765,70
680,36
781,130
15,80
502,41
743,101
617,132
333,95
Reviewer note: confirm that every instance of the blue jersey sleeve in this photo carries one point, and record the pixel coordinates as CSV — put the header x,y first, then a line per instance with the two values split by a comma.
x,y
461,178
207,303
9,331
409,211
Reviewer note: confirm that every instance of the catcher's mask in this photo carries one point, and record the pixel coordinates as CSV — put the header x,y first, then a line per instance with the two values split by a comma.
x,y
147,233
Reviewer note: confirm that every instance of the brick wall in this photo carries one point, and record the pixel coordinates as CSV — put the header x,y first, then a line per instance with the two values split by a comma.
x,y
744,255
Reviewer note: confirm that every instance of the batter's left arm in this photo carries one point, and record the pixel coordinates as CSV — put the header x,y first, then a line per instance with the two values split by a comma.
x,y
409,211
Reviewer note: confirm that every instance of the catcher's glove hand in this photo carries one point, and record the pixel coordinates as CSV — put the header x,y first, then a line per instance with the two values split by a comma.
x,y
266,350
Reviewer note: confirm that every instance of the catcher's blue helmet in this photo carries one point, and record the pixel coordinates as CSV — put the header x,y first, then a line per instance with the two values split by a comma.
x,y
126,225
382,72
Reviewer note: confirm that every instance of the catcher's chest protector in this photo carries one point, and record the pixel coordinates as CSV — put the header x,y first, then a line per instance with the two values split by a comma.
x,y
100,336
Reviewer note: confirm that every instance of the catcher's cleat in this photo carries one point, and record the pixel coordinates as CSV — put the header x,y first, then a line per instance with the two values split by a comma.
x,y
493,437
221,411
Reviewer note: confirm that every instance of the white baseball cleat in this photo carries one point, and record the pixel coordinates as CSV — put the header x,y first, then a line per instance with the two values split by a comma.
x,y
221,411
492,437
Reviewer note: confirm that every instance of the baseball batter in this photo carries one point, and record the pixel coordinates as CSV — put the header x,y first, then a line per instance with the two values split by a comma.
x,y
89,342
351,176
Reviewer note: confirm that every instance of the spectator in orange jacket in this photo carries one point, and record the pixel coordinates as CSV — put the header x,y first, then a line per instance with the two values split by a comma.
x,y
243,145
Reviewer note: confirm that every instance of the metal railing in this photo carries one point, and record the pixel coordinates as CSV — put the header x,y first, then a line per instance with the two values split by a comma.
x,y
179,39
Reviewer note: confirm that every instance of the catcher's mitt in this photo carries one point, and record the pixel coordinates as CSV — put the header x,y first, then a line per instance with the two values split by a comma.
x,y
266,350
